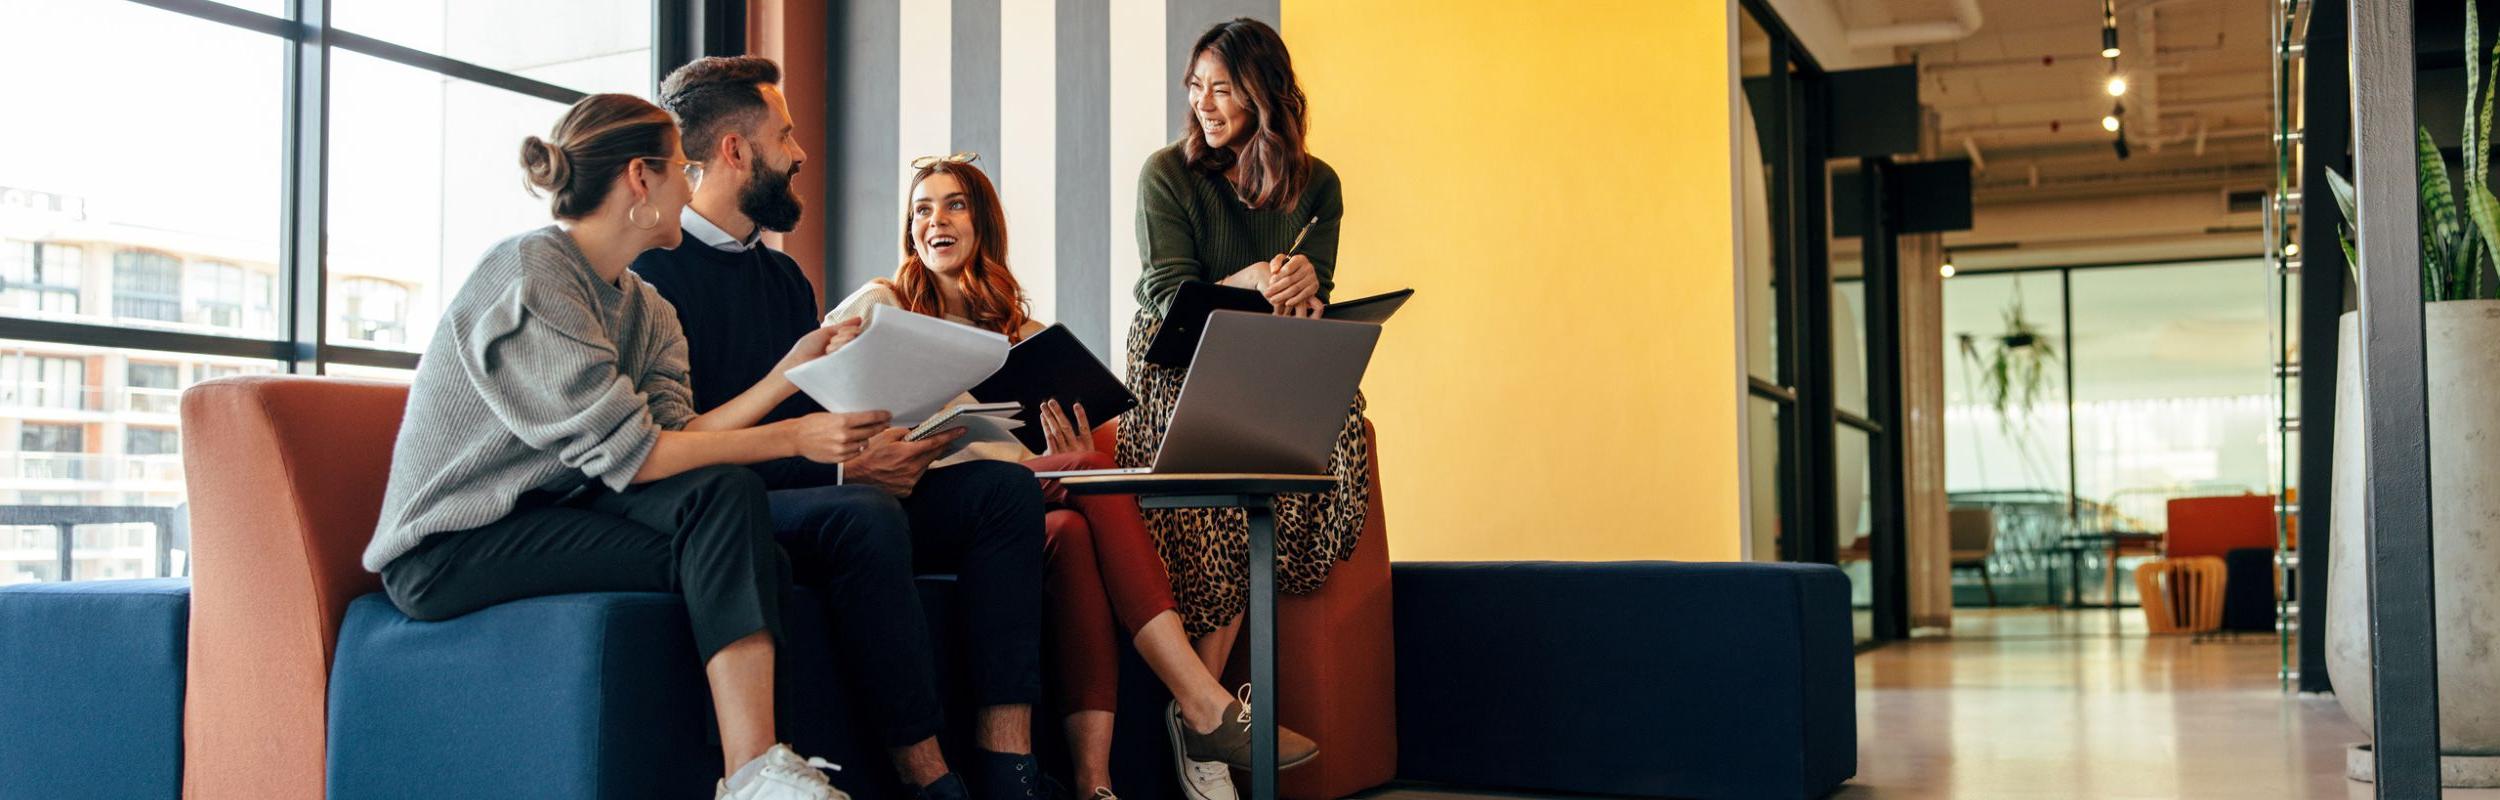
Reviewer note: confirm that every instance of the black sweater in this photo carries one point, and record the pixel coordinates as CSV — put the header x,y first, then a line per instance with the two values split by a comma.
x,y
741,313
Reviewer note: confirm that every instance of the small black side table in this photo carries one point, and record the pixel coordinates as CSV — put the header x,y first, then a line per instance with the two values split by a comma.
x,y
1255,494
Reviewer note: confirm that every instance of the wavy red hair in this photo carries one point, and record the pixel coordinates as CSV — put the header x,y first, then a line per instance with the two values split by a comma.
x,y
992,298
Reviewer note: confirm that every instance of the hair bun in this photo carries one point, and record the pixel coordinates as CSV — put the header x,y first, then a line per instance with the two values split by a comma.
x,y
549,169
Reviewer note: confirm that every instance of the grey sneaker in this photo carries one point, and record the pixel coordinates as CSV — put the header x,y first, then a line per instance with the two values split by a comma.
x,y
1229,743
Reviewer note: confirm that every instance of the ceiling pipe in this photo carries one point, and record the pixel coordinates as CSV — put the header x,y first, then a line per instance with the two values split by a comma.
x,y
1964,23
2149,83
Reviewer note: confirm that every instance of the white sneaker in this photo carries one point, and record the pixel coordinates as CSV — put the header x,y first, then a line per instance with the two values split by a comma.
x,y
780,774
1200,780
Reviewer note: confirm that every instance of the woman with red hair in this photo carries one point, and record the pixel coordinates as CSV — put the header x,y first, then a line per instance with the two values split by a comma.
x,y
1106,577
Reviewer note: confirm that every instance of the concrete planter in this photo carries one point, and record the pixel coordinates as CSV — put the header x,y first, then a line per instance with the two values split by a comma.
x,y
2462,353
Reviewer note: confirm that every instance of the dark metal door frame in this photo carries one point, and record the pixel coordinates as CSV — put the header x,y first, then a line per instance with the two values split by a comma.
x,y
2404,668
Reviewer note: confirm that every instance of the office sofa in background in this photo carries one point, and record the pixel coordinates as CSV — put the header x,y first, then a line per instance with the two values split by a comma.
x,y
1652,679
91,689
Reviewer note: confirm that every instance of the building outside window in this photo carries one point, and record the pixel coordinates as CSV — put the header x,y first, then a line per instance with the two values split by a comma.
x,y
43,382
40,278
153,388
147,286
374,311
182,241
152,442
52,451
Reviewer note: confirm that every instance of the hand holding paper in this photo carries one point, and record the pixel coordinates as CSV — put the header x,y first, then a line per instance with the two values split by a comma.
x,y
909,364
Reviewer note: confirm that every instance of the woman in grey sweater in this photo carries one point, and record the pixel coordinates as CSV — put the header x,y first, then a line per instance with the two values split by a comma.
x,y
550,444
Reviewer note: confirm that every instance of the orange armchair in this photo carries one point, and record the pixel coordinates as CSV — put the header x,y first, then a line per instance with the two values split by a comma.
x,y
286,479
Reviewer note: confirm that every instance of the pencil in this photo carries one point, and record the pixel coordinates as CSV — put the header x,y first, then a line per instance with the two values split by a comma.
x,y
1296,247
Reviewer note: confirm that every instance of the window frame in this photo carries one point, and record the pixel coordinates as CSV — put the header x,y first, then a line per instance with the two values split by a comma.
x,y
302,339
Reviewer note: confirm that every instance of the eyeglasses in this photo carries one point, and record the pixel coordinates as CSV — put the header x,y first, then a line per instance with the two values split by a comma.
x,y
925,162
693,169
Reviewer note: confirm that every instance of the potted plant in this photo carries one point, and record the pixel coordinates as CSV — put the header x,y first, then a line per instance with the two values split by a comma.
x,y
2012,369
2460,323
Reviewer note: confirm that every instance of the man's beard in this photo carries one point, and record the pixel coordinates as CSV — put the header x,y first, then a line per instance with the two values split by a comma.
x,y
768,199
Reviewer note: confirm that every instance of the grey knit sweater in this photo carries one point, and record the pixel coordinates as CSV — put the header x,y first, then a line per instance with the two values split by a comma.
x,y
540,376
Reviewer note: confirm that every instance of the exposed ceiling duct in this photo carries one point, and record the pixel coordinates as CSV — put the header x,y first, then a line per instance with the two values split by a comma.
x,y
1909,34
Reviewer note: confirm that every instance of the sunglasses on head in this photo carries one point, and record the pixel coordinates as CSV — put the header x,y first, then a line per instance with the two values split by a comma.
x,y
925,162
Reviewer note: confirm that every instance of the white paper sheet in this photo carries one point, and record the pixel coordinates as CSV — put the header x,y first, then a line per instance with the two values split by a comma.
x,y
983,428
905,363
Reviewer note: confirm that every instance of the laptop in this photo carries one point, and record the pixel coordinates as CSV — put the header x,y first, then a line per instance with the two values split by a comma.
x,y
1267,395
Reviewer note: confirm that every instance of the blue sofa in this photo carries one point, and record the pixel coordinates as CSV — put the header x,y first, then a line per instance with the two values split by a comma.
x,y
601,693
91,689
1653,679
1638,679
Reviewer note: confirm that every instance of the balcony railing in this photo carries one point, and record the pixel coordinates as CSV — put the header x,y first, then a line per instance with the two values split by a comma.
x,y
90,467
51,397
89,398
151,401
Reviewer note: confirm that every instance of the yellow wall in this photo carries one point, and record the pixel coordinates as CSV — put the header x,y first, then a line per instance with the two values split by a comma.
x,y
1552,178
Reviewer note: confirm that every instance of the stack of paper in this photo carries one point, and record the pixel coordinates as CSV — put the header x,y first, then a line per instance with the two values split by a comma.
x,y
909,364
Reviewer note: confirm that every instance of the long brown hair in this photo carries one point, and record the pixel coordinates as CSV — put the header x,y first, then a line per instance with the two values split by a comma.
x,y
992,298
1276,167
594,142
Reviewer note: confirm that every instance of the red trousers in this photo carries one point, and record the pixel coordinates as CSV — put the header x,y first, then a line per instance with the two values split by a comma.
x,y
1105,582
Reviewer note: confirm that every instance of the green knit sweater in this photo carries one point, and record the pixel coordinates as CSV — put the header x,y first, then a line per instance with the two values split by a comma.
x,y
1191,227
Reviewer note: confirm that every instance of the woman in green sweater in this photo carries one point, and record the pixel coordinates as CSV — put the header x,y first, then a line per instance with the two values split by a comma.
x,y
1226,204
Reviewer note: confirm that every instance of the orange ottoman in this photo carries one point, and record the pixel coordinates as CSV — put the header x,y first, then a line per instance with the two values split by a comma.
x,y
1335,657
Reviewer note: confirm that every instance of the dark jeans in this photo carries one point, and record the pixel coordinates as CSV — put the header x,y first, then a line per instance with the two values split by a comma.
x,y
859,547
704,534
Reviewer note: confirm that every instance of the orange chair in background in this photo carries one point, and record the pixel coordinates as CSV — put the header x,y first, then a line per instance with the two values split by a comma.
x,y
2181,595
2215,526
2183,591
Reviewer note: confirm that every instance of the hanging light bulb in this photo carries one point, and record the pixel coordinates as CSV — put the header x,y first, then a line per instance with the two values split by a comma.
x,y
2291,249
2117,86
2110,123
2109,29
1947,269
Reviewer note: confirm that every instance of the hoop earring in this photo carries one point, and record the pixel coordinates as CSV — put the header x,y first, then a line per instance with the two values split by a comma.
x,y
638,223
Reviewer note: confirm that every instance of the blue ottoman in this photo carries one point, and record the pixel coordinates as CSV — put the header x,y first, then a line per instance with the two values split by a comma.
x,y
586,696
1655,679
91,679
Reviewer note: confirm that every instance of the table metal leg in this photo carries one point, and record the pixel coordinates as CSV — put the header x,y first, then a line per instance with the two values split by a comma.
x,y
2109,578
1263,648
2074,578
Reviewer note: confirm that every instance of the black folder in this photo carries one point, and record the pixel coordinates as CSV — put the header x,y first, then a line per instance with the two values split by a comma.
x,y
1186,318
1053,365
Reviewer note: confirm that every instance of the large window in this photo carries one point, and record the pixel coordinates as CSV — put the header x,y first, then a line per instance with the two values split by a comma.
x,y
181,231
2083,400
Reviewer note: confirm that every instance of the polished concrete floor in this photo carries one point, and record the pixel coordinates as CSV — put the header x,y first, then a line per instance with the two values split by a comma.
x,y
2044,704
2025,704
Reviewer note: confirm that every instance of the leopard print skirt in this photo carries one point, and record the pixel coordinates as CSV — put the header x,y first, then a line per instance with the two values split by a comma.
x,y
1207,551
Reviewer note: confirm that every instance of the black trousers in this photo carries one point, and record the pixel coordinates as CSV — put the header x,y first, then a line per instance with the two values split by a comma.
x,y
705,534
858,549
